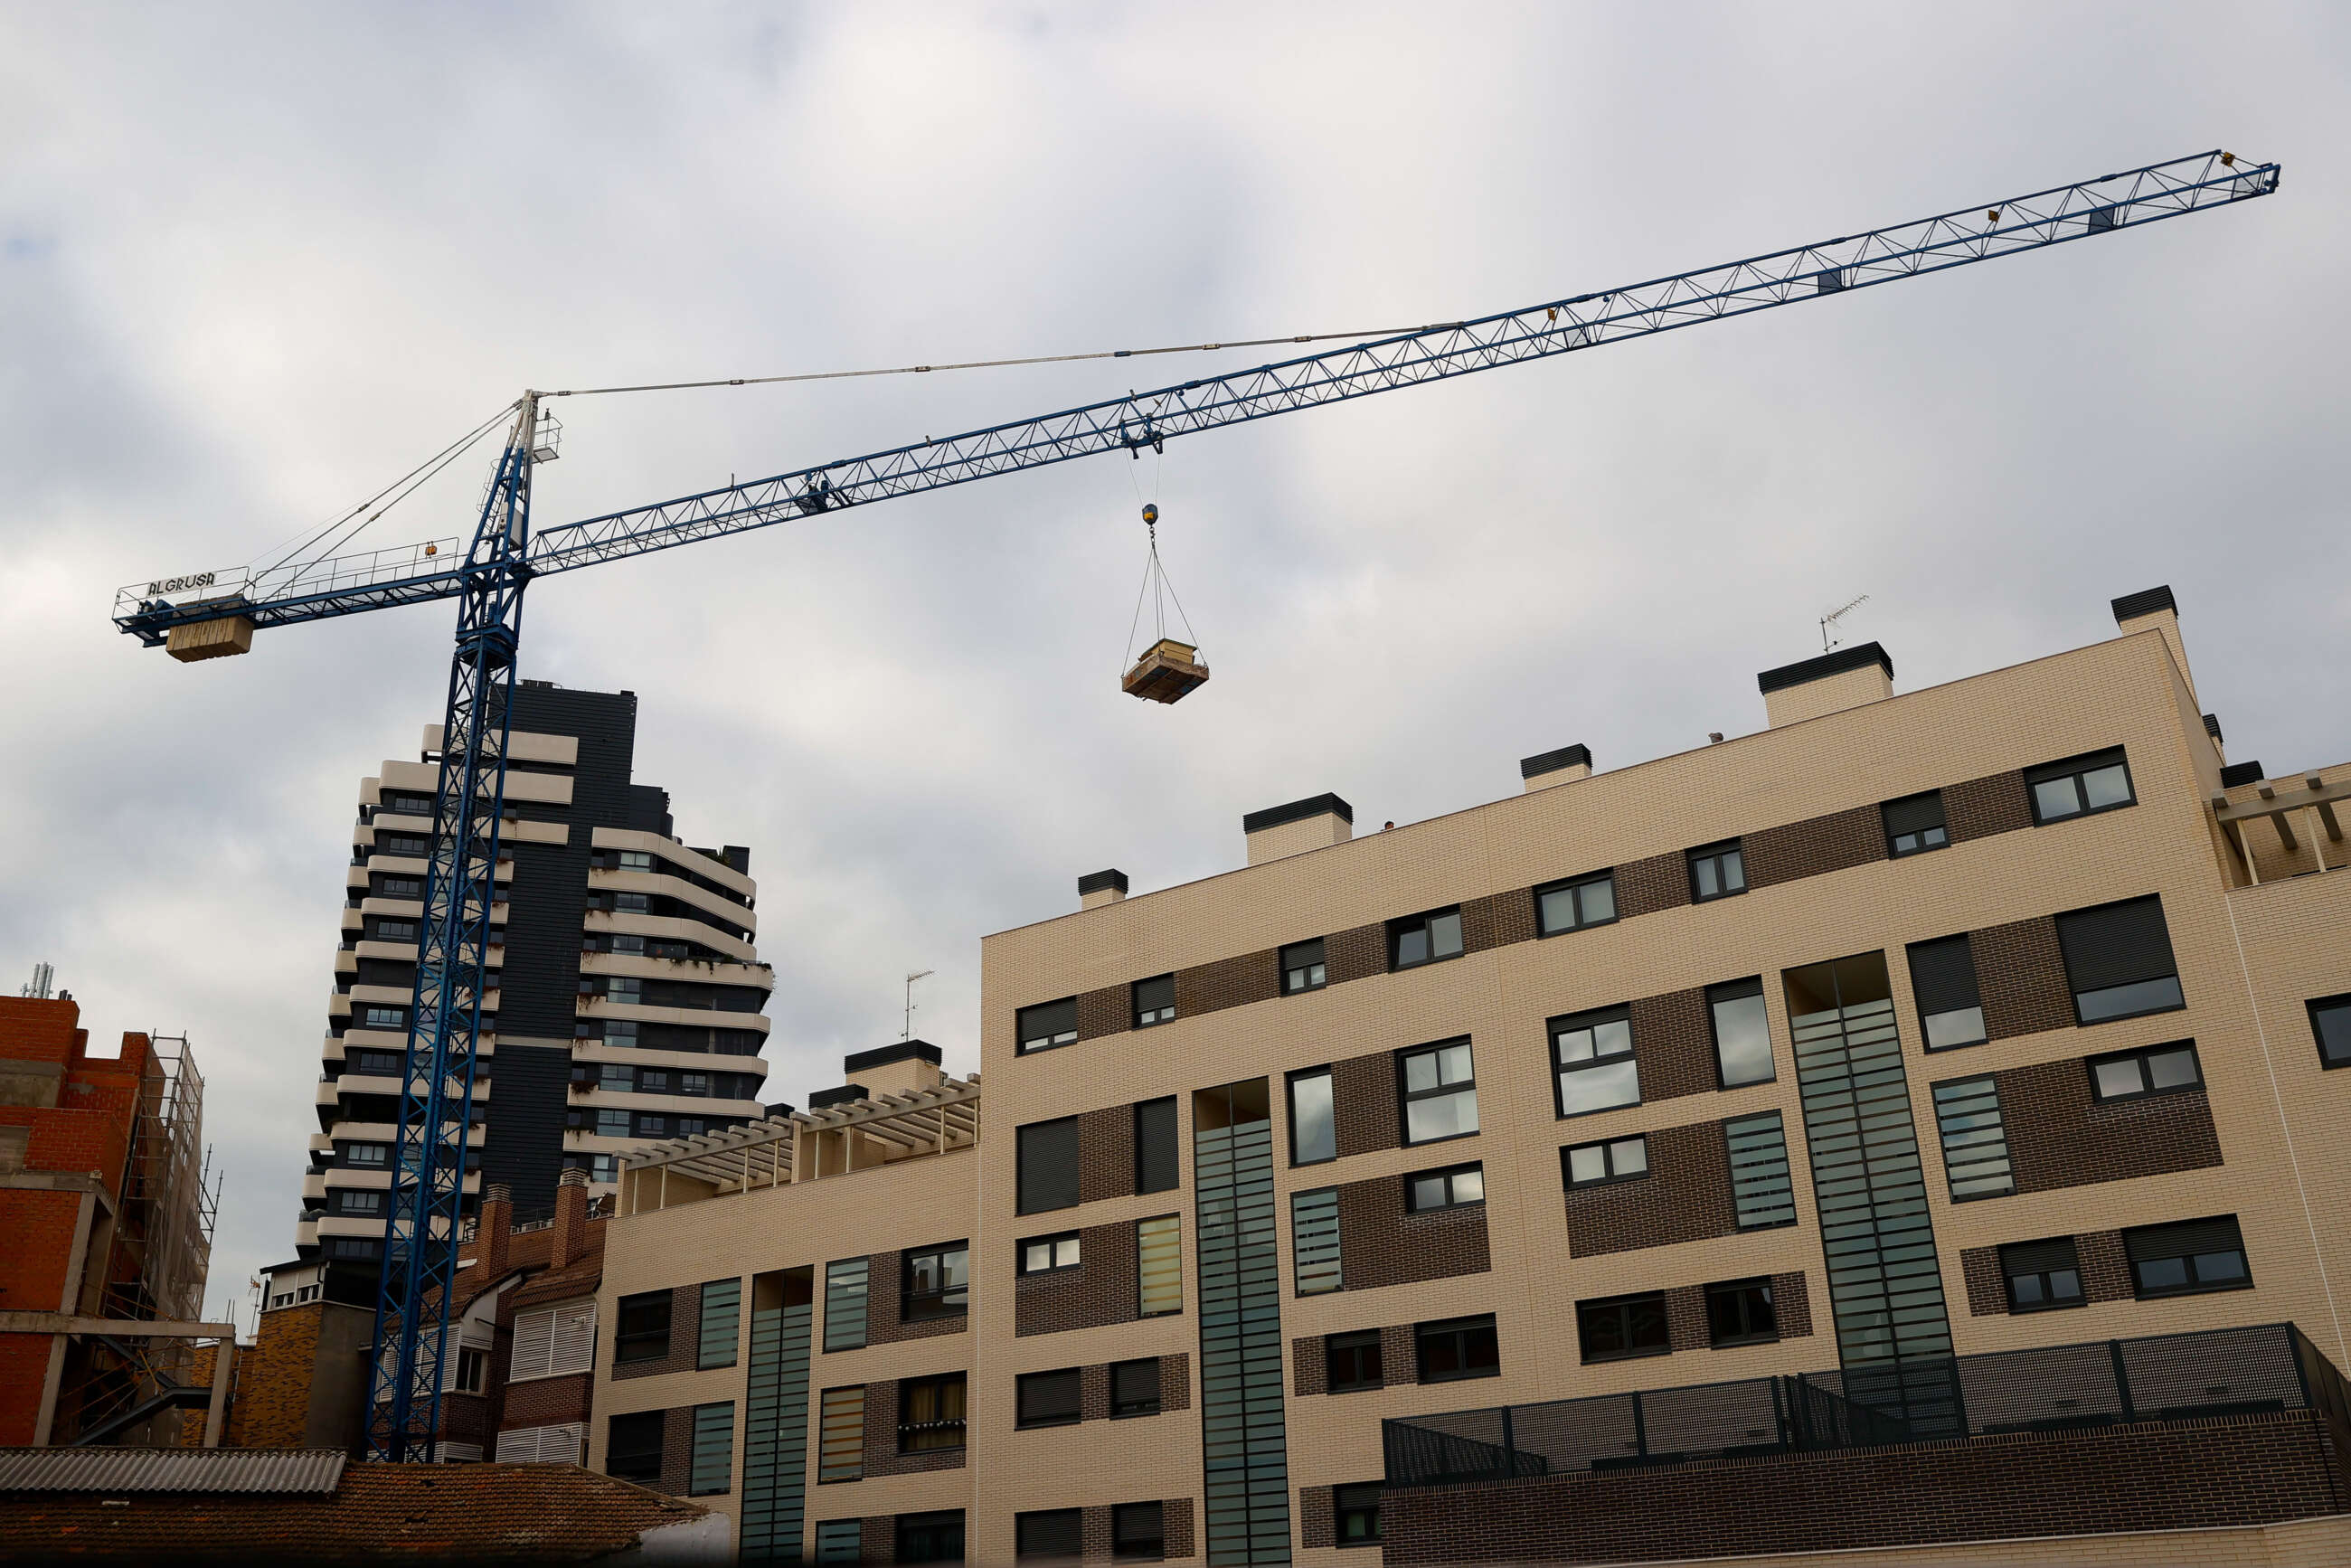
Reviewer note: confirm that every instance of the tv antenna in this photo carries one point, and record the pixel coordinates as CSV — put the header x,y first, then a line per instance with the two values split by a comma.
x,y
1829,621
908,1031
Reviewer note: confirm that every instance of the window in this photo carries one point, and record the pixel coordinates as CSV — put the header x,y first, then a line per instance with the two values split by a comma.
x,y
358,1200
1138,1532
1135,1387
1458,1348
628,943
930,1413
400,887
367,1156
652,1080
1159,1266
2156,1070
611,1122
374,1063
395,930
624,988
1440,1092
1590,1165
1044,1254
1975,1141
631,903
1157,1167
1738,1312
2118,960
632,1449
409,844
1425,939
1943,979
694,1084
840,1540
1313,1137
722,1321
841,1434
1047,1398
1155,1001
1573,906
930,1537
1314,1241
1450,1189
472,1366
552,1340
409,805
2098,782
650,1125
2181,1259
936,1282
1351,1361
1716,870
1058,1533
1303,969
846,1283
636,859
384,1018
1743,1033
2330,1021
1593,1053
1048,1159
641,1333
1043,1028
2041,1275
712,1467
1623,1326
1915,824
1355,1511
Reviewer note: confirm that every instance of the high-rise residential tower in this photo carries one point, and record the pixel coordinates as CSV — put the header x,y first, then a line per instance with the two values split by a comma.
x,y
628,997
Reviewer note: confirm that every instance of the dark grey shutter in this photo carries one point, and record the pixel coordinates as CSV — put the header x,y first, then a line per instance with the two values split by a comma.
x,y
2186,1240
1048,1165
1055,1534
2117,945
2039,1257
1943,974
1155,993
1155,1166
1136,1527
1134,1383
1048,1396
1045,1021
1915,814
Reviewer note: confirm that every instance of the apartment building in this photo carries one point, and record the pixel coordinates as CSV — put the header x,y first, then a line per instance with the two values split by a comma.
x,y
629,998
1909,1126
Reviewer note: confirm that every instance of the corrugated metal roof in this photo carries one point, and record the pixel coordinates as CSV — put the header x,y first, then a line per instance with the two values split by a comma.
x,y
313,1471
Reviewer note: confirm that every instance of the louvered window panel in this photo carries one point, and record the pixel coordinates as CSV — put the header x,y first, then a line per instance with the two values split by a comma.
x,y
1060,1533
534,1348
844,1304
1159,1265
714,1450
2118,960
1314,1239
1975,1140
563,1444
841,1434
572,1345
1761,1192
1943,980
840,1540
722,1323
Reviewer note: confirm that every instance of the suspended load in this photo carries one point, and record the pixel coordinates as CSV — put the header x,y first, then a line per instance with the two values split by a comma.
x,y
1168,670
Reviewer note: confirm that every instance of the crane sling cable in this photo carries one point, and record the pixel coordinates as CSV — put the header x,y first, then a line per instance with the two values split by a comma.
x,y
420,1251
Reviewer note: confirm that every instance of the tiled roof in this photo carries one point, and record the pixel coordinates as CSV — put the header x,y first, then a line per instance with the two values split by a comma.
x,y
509,1513
578,1278
208,1470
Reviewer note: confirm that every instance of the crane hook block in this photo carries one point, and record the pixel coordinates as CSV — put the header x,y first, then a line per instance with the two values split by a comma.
x,y
1151,513
1168,672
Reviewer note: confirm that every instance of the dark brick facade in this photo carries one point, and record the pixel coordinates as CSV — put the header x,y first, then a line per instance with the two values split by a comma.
x,y
1673,1040
1229,982
677,1451
2234,1471
1381,1244
1101,1290
877,1538
1106,1153
1364,1104
2106,1272
1308,1374
2059,1136
685,1338
1318,1524
1175,1389
1984,807
1649,886
1686,1197
1355,955
1837,842
882,1455
885,1302
2021,975
1110,1010
1685,1325
545,1401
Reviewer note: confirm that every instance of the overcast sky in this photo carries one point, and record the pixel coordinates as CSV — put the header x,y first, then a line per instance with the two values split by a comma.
x,y
255,262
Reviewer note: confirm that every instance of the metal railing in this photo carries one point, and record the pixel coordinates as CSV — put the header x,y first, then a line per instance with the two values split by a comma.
x,y
2103,1383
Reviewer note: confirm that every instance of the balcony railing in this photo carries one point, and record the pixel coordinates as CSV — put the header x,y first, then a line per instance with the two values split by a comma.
x,y
2105,1383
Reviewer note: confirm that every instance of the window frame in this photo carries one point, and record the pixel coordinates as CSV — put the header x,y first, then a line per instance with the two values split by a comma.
x,y
1284,963
624,1337
1407,1095
2050,1302
1716,854
1927,1020
2140,1057
1055,1040
937,1382
1591,1019
1289,1100
825,1406
1714,1030
1464,1331
1351,1344
1342,1505
472,1372
1723,1289
1132,1410
2314,1006
1451,1176
1020,1267
2194,1287
1610,1175
1894,850
1153,1017
1623,1304
1575,885
1023,1383
1154,1549
1175,1224
1423,923
2074,995
637,1422
2076,770
908,1295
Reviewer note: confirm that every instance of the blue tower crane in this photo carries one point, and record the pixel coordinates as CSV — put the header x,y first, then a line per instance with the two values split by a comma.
x,y
214,613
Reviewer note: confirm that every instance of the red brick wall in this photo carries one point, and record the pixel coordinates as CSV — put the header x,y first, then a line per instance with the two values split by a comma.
x,y
545,1401
24,1372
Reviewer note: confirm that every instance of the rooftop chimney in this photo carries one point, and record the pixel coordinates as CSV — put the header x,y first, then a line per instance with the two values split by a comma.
x,y
1311,824
900,1068
1846,679
492,1229
1566,765
1097,888
2155,606
2220,742
570,1218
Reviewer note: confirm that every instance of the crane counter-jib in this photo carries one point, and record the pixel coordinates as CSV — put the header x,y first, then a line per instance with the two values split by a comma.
x,y
290,593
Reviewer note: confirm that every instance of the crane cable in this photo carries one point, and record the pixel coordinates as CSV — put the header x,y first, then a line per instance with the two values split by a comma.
x,y
412,480
1159,589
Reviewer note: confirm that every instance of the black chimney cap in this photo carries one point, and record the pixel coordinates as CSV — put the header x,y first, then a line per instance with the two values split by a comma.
x,y
2146,602
1831,664
1298,812
847,1094
2212,726
1114,880
858,1061
1552,761
2238,774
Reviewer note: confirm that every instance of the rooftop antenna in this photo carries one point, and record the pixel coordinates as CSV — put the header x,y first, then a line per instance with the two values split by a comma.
x,y
40,989
1829,621
907,1032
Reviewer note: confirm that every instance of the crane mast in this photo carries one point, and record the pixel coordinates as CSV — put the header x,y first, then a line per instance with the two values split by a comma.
x,y
198,617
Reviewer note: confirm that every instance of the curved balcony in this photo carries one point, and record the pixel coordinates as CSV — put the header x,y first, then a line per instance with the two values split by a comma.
x,y
669,928
612,880
690,1017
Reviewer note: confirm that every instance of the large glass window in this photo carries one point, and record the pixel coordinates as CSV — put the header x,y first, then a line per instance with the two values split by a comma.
x,y
1303,969
2183,1259
1046,1254
1739,1311
1159,1265
2079,785
1155,1001
1716,870
2330,1023
1457,1348
2118,960
1425,939
1047,1155
1915,824
2128,1074
2041,1275
1571,905
1943,980
936,1282
1050,1024
1743,1033
930,1413
1350,1362
633,1452
1623,1326
1451,1188
1591,1165
641,1333
1440,1092
1047,1398
1593,1055
1975,1140
1313,1136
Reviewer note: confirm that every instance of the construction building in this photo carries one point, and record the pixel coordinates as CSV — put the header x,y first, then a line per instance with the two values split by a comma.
x,y
105,1237
1908,1130
628,1003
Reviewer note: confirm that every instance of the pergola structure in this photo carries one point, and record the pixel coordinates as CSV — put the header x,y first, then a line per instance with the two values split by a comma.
x,y
2280,804
805,1145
